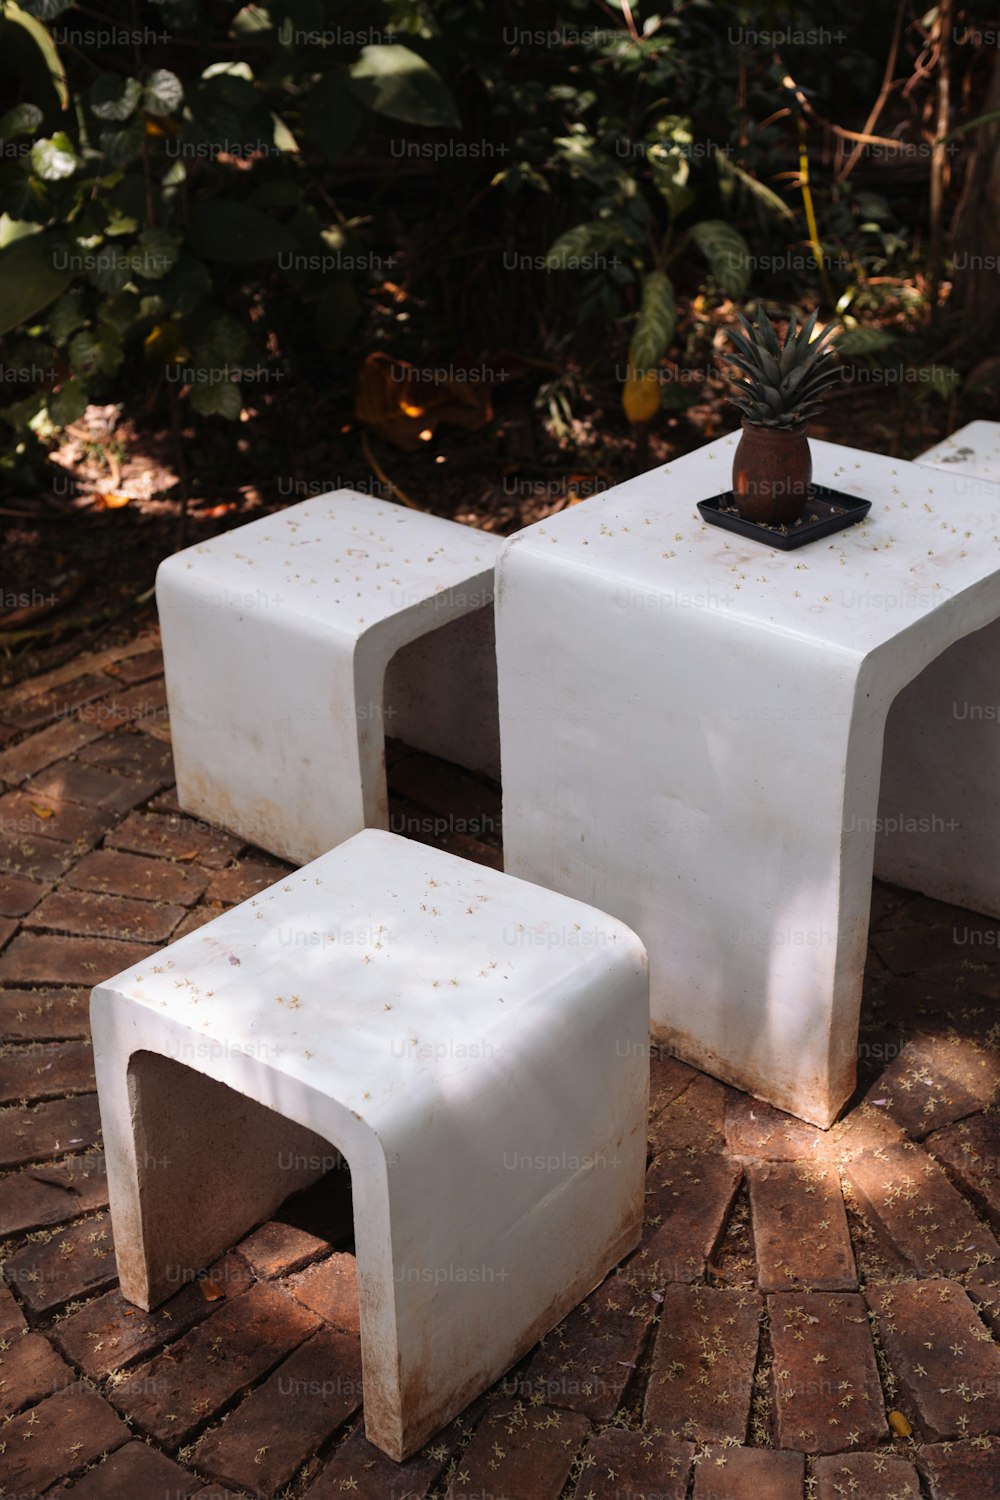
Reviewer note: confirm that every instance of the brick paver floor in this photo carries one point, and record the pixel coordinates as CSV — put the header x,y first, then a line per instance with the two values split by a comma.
x,y
811,1315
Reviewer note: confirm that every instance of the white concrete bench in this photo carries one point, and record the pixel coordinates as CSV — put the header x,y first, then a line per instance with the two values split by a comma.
x,y
475,1047
293,644
973,450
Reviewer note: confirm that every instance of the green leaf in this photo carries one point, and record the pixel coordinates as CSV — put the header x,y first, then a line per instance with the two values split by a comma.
x,y
16,229
68,404
283,138
732,173
114,98
727,253
36,31
187,286
96,351
394,81
54,157
654,329
23,119
578,248
122,143
67,315
120,310
225,341
332,114
163,93
217,399
236,234
864,341
29,280
155,253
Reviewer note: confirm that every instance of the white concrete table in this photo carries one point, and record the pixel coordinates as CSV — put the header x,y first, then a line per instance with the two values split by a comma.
x,y
692,736
292,645
475,1047
973,450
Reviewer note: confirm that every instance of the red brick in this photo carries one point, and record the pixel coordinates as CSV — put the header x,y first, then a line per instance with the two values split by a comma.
x,y
46,1070
144,706
800,1228
133,754
519,1451
48,1130
109,1332
331,1290
175,838
11,1316
636,1464
18,894
38,858
36,1197
33,754
275,1249
31,813
57,703
688,1199
113,873
367,1474
694,1121
137,668
70,781
937,1080
749,1474
74,1262
178,1391
33,958
87,914
266,1440
703,1363
758,1132
970,1151
962,1471
44,1015
89,661
984,1289
668,1078
827,1394
867,1476
914,1207
57,1439
135,1472
195,919
945,1361
244,880
30,1370
913,950
587,1361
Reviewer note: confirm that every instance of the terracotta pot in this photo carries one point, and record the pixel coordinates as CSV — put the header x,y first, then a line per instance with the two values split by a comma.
x,y
772,468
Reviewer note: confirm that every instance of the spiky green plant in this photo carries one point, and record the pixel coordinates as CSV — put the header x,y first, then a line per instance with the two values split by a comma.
x,y
784,382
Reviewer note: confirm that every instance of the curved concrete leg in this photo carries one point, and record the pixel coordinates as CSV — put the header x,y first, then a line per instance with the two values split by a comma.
x,y
939,811
719,796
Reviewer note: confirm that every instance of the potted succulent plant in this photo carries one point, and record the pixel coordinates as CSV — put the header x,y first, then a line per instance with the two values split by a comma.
x,y
772,466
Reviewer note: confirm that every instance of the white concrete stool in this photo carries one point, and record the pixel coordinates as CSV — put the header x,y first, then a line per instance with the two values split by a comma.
x,y
692,730
973,450
475,1047
290,642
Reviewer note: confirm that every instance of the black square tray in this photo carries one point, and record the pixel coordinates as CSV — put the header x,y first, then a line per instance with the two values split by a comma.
x,y
826,511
